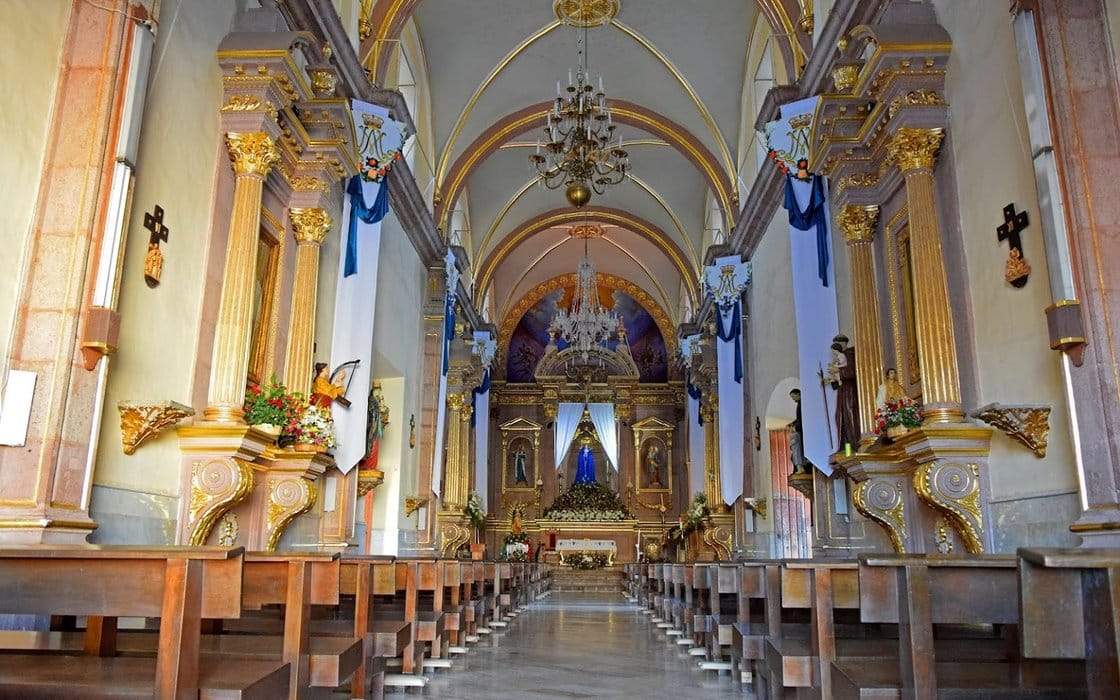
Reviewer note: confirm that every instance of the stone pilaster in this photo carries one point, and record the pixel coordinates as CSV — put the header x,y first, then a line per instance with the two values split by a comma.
x,y
253,154
310,225
857,224
914,151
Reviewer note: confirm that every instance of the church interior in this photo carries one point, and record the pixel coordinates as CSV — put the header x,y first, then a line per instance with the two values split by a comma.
x,y
560,348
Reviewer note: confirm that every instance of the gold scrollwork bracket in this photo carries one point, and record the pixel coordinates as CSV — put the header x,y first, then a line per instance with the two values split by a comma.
x,y
216,486
287,499
141,421
881,500
368,480
719,539
452,537
413,504
758,505
1028,424
954,491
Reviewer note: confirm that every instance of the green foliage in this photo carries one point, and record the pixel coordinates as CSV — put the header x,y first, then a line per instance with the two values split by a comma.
x,y
275,405
587,502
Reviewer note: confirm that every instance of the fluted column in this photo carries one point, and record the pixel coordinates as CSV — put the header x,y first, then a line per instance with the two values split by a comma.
x,y
857,224
713,485
310,226
914,151
253,155
456,477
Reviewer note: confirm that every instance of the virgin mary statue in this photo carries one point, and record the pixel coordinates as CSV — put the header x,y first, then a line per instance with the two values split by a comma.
x,y
585,469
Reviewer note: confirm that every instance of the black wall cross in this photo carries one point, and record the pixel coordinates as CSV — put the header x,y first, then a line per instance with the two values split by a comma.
x,y
1016,271
153,262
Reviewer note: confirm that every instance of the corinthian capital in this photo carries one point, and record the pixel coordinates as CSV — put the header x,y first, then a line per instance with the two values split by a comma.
x,y
914,149
310,224
252,153
857,223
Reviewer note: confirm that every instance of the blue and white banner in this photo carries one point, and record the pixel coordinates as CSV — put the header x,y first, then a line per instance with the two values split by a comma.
x,y
814,277
366,203
484,346
451,270
726,280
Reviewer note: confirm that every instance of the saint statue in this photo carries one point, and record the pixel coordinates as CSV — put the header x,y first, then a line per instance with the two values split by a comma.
x,y
377,417
519,474
796,437
842,377
655,462
324,389
585,469
890,390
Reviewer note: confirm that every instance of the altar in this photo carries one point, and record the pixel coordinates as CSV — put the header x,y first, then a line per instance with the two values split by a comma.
x,y
570,546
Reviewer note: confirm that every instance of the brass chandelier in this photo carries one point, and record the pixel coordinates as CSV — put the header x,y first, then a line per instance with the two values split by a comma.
x,y
587,324
581,152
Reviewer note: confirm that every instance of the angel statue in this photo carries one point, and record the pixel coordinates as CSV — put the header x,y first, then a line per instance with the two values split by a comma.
x,y
328,387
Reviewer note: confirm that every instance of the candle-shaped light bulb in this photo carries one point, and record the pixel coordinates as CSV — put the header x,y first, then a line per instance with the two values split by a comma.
x,y
600,82
569,77
557,89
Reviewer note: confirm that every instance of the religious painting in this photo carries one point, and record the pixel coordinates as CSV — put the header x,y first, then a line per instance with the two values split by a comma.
x,y
903,304
521,439
530,337
264,305
653,448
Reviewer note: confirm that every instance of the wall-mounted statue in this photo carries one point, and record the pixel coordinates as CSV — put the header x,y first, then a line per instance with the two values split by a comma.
x,y
842,377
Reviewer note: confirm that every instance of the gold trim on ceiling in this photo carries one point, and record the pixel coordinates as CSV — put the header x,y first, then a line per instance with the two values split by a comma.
x,y
461,121
502,215
652,192
585,13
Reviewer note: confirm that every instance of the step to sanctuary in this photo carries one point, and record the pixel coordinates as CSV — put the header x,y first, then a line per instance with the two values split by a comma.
x,y
605,580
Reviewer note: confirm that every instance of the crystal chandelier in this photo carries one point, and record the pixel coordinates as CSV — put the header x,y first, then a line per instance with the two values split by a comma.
x,y
580,149
587,324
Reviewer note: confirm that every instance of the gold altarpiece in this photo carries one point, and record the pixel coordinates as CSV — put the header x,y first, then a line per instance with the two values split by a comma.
x,y
878,134
290,146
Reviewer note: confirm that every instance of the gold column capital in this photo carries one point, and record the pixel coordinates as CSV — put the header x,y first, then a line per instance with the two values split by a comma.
x,y
252,152
912,148
310,224
857,222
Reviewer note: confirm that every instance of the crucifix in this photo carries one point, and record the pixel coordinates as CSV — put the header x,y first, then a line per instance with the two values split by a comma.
x,y
153,261
1017,270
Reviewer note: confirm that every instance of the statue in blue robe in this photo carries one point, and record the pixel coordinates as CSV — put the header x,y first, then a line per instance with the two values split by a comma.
x,y
585,471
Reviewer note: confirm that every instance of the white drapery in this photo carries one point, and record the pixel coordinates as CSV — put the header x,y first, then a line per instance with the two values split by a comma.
x,y
695,448
602,416
568,416
730,409
482,445
352,335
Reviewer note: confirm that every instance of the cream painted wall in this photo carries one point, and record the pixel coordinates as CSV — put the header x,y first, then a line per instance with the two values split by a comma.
x,y
992,154
397,352
771,339
31,37
179,147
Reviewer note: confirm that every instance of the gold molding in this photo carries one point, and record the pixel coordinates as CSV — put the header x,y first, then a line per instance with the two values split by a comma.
x,y
141,421
216,486
368,480
652,192
250,103
857,223
287,499
914,149
954,490
252,153
498,220
889,514
413,504
585,13
1029,425
310,224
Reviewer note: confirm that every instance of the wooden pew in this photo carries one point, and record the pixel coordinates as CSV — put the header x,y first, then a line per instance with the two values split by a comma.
x,y
1069,602
915,593
179,586
723,609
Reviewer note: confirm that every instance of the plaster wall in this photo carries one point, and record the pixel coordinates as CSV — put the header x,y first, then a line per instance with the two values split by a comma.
x,y
991,151
31,36
180,144
771,348
397,352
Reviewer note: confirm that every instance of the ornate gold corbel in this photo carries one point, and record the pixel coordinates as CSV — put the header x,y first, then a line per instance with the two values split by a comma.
x,y
758,505
954,490
452,537
287,499
719,539
140,421
1029,424
413,504
369,479
881,500
216,486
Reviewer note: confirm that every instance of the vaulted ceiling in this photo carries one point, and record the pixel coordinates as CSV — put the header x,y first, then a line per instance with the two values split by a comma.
x,y
673,73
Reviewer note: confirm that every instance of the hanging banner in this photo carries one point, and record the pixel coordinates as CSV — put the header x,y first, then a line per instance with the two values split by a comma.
x,y
484,346
726,280
366,203
689,347
451,271
814,281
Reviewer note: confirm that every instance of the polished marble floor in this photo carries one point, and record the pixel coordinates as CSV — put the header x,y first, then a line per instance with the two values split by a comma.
x,y
578,645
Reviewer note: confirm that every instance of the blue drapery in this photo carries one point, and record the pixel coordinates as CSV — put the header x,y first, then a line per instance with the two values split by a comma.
x,y
734,331
360,212
585,470
480,389
448,328
694,394
814,215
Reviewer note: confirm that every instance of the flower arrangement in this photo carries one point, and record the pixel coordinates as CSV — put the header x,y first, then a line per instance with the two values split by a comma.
x,y
692,520
587,561
902,413
473,511
273,405
315,427
582,502
515,547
